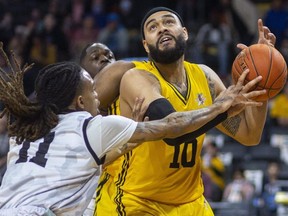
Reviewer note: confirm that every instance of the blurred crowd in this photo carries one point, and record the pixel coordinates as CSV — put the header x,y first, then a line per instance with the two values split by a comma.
x,y
47,31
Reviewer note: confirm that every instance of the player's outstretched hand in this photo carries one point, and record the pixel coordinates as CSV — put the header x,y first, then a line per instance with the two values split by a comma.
x,y
265,36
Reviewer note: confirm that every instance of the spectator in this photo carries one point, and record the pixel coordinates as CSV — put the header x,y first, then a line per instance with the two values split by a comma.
x,y
270,189
77,12
276,20
239,190
98,12
115,36
6,28
53,35
83,35
213,42
241,16
212,172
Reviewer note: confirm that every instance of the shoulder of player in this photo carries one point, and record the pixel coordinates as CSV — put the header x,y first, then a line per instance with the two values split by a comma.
x,y
139,83
124,63
139,75
116,69
207,70
215,83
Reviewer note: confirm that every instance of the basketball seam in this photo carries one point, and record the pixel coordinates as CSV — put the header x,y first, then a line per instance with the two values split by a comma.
x,y
269,72
238,72
253,62
283,70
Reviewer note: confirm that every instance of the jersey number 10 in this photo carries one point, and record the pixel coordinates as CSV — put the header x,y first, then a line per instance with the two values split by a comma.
x,y
185,162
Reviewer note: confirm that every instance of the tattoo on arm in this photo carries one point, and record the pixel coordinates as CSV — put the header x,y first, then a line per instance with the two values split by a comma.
x,y
121,149
232,124
115,152
211,85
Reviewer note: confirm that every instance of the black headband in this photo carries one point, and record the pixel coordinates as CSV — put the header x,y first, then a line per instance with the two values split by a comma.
x,y
154,10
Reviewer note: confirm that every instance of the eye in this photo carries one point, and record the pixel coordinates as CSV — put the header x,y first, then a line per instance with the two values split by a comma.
x,y
111,56
169,22
95,57
152,27
108,54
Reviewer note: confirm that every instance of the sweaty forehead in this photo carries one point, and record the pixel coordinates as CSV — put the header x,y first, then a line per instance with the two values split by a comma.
x,y
96,48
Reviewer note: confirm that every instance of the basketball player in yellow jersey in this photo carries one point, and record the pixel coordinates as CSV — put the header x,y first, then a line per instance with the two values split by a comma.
x,y
166,180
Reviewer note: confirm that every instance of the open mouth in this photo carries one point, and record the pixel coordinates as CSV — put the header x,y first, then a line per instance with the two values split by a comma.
x,y
165,39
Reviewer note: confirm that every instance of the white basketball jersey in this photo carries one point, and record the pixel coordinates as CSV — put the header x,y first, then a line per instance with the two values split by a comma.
x,y
58,172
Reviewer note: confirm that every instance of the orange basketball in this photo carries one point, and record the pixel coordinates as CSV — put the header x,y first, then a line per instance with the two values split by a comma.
x,y
262,60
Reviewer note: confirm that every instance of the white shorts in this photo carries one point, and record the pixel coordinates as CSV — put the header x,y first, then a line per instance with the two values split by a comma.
x,y
26,211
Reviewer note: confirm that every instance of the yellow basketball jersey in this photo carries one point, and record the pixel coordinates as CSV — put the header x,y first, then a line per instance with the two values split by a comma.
x,y
169,174
114,109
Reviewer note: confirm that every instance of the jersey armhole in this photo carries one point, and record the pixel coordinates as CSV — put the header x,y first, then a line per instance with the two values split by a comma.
x,y
87,143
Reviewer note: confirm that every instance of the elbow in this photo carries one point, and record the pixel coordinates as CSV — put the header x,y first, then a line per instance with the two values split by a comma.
x,y
252,137
252,141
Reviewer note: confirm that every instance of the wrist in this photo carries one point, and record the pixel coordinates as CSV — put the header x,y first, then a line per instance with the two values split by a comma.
x,y
219,108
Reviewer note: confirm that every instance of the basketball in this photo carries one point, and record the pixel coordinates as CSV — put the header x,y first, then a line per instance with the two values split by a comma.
x,y
263,60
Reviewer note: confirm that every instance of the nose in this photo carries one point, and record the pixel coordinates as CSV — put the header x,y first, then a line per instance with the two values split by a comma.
x,y
105,59
162,28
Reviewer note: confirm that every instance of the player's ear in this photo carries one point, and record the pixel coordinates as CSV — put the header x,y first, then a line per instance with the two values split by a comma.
x,y
79,103
145,46
186,35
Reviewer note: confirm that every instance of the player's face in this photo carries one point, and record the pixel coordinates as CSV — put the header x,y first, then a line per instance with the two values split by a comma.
x,y
165,38
89,97
97,57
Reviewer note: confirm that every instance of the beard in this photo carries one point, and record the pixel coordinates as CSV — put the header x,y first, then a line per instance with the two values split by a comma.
x,y
169,55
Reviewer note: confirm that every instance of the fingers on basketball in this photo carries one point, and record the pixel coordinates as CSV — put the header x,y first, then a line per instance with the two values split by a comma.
x,y
263,60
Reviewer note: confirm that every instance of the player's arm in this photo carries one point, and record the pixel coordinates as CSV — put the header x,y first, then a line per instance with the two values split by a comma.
x,y
172,126
108,82
247,122
140,83
247,127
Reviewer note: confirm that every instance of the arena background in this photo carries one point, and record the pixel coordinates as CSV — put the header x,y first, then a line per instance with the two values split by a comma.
x,y
47,31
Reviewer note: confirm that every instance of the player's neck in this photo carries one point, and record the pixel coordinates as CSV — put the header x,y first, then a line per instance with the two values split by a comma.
x,y
174,72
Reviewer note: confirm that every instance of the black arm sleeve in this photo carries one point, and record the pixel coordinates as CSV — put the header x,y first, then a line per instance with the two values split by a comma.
x,y
162,107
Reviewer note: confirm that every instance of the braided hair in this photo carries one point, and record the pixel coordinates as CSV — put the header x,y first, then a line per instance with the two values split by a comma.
x,y
56,86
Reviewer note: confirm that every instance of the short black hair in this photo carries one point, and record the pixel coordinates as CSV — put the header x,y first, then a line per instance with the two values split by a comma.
x,y
84,53
154,10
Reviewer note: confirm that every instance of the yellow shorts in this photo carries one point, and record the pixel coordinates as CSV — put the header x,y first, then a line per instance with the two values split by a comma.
x,y
112,201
